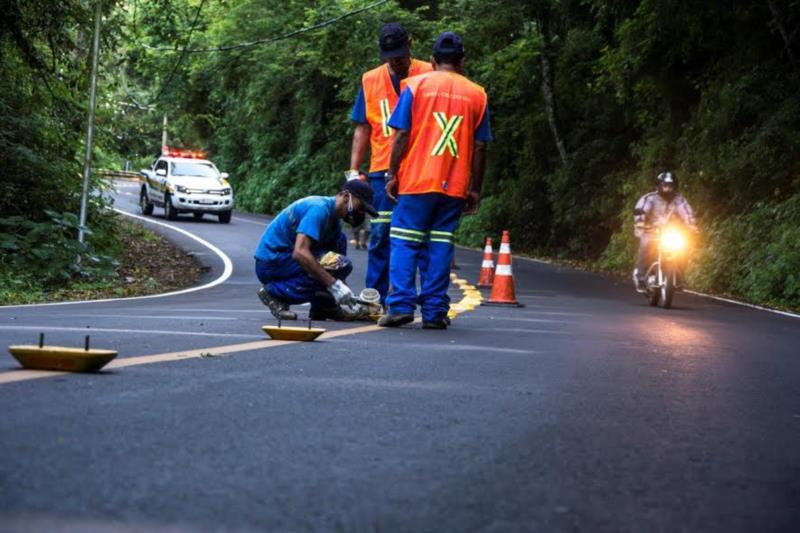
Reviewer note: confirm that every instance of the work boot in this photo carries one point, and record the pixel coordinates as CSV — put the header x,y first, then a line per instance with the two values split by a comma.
x,y
279,309
439,323
395,320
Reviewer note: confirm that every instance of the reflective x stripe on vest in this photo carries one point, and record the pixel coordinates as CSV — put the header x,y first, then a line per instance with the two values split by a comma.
x,y
385,114
380,99
449,127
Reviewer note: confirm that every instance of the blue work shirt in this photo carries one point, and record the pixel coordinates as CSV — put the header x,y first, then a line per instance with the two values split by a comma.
x,y
401,117
312,216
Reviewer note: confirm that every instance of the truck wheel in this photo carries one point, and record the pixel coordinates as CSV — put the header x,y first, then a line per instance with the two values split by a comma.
x,y
225,217
144,203
170,213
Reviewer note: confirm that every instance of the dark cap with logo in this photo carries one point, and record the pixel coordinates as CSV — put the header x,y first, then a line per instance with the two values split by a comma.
x,y
361,190
450,45
393,41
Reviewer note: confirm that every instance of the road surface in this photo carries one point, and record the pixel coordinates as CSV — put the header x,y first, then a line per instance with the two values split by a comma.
x,y
586,410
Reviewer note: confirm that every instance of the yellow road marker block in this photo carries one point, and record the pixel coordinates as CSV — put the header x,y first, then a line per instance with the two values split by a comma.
x,y
292,333
61,358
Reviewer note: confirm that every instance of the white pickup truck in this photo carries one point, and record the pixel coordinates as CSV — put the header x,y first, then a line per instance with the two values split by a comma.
x,y
182,181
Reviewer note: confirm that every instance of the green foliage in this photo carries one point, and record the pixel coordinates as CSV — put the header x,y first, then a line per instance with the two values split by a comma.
x,y
46,253
43,97
711,90
755,255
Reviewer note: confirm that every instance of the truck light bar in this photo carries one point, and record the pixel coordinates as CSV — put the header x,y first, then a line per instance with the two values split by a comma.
x,y
169,151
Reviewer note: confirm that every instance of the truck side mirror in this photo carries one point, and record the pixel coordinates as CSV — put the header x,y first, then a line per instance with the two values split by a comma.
x,y
225,175
161,172
638,211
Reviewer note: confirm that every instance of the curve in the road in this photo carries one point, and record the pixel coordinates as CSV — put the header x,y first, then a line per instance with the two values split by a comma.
x,y
226,272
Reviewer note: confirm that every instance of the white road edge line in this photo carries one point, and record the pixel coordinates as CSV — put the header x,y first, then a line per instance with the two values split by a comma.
x,y
240,219
745,304
700,294
226,273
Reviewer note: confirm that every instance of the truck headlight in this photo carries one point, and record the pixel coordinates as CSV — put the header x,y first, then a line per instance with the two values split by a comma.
x,y
226,191
180,188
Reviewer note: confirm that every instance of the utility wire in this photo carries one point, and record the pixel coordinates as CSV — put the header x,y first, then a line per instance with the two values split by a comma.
x,y
258,42
183,54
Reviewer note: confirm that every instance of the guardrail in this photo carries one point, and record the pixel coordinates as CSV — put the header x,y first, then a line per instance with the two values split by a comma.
x,y
118,174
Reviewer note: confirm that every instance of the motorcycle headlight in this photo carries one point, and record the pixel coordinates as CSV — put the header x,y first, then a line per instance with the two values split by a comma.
x,y
180,188
673,240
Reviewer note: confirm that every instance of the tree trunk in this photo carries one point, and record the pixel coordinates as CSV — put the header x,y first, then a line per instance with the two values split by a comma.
x,y
787,41
547,88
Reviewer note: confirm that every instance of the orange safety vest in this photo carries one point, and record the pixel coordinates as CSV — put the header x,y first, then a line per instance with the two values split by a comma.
x,y
445,113
380,100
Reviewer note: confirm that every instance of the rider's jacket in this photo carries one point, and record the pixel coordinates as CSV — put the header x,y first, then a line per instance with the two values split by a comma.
x,y
657,211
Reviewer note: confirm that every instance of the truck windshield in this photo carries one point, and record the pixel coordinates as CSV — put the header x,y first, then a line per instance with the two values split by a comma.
x,y
202,170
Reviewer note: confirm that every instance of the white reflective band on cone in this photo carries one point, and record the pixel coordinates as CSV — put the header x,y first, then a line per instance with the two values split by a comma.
x,y
505,248
487,263
503,270
487,250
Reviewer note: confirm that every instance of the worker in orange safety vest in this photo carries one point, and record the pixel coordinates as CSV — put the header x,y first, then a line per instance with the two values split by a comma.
x,y
435,173
377,97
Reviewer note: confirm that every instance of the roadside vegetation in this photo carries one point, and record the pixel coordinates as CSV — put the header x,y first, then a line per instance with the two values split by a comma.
x,y
590,100
143,263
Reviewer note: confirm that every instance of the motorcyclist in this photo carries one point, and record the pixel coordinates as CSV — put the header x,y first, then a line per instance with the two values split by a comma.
x,y
652,211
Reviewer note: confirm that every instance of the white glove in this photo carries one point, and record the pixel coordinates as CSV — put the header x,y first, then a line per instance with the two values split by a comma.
x,y
342,293
352,311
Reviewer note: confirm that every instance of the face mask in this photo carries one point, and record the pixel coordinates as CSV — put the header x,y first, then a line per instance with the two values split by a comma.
x,y
354,218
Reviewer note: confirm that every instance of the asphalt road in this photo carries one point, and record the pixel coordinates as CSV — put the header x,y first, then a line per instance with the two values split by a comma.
x,y
586,410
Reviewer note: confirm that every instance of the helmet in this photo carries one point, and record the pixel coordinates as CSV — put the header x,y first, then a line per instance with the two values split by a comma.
x,y
667,178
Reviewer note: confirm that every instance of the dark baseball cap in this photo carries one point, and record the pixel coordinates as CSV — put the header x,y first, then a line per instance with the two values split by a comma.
x,y
448,44
393,41
361,190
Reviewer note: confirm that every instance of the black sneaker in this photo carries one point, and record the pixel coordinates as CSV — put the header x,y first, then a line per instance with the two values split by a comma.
x,y
395,320
440,323
278,309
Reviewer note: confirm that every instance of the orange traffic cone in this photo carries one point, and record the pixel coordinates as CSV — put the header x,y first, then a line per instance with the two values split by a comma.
x,y
503,286
487,266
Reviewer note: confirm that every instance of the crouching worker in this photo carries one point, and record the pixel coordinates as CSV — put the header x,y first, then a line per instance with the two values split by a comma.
x,y
301,255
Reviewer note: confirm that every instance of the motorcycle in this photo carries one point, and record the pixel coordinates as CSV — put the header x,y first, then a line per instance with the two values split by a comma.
x,y
664,276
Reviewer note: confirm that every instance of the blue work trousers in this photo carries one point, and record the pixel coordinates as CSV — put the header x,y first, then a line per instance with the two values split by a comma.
x,y
378,259
423,231
283,278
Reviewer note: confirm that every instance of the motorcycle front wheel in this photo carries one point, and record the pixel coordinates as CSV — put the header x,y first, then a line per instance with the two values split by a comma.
x,y
668,289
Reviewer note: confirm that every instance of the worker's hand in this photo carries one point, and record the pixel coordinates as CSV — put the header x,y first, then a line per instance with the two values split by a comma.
x,y
352,311
352,174
342,293
391,188
472,202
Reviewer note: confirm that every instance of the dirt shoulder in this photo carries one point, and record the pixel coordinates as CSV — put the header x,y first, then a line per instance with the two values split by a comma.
x,y
148,264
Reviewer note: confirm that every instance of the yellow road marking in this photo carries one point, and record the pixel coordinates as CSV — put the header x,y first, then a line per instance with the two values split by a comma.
x,y
467,303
